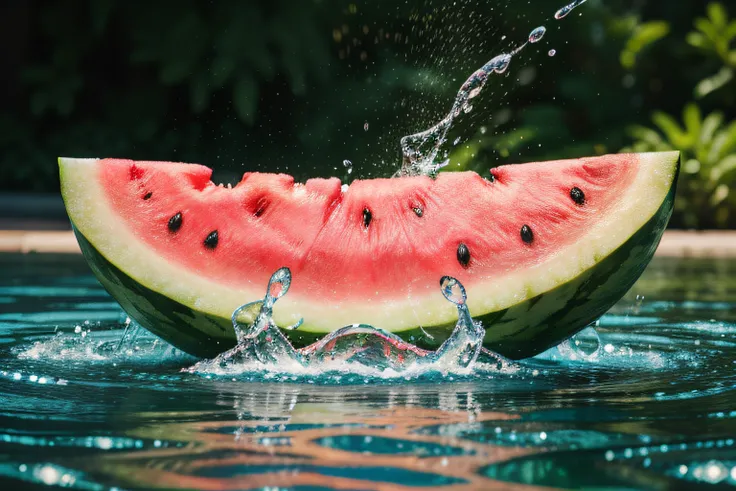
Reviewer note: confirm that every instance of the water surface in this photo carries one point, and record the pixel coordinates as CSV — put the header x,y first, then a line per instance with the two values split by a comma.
x,y
653,408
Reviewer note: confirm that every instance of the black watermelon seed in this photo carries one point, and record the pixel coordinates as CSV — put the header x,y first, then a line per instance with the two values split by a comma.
x,y
148,196
493,176
418,211
577,196
526,234
367,217
463,255
212,239
175,223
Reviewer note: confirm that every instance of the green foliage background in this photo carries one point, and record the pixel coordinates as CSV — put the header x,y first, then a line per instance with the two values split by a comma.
x,y
299,86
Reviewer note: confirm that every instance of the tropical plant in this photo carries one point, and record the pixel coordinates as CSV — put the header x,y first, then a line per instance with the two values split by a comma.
x,y
714,35
708,146
707,187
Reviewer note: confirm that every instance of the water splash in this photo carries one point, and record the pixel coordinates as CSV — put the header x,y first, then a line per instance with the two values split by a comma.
x,y
562,13
585,345
83,346
421,150
358,348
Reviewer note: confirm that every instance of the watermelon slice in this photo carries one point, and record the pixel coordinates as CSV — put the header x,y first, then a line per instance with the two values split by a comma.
x,y
543,249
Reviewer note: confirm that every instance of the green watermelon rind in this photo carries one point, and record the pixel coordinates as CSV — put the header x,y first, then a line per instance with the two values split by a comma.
x,y
520,331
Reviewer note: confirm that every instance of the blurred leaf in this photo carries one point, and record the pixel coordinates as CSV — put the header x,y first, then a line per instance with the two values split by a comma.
x,y
245,98
647,136
708,29
730,33
221,70
713,83
644,35
199,93
692,118
711,124
717,15
719,195
724,168
691,166
697,40
672,130
39,103
100,11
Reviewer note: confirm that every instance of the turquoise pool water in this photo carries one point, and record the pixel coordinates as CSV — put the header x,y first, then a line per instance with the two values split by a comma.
x,y
654,407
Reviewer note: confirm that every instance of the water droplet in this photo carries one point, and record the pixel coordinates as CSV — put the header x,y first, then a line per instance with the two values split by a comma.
x,y
453,290
457,140
500,63
562,13
552,52
279,283
537,34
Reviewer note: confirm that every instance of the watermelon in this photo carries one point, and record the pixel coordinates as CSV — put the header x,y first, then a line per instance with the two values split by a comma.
x,y
543,249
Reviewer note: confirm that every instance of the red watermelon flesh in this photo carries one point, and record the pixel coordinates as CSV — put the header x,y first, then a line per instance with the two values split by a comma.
x,y
267,221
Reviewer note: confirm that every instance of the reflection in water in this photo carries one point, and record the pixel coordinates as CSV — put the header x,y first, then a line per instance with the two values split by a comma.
x,y
646,401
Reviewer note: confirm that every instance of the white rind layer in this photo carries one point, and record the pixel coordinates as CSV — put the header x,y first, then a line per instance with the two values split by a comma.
x,y
93,216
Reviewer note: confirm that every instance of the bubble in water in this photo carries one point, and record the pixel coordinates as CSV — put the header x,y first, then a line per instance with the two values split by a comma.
x,y
552,52
348,165
562,13
537,34
365,126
